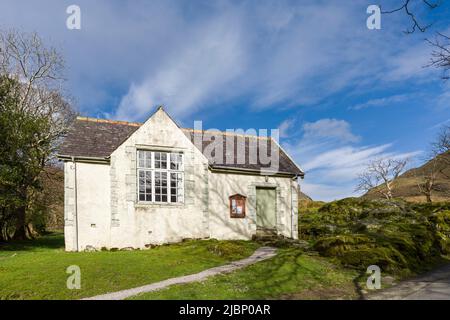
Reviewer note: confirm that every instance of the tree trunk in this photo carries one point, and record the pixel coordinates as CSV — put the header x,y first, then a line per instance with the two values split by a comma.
x,y
428,198
32,234
389,190
21,229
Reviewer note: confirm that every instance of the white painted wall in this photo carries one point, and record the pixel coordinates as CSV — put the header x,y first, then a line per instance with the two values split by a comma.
x,y
93,205
87,197
223,185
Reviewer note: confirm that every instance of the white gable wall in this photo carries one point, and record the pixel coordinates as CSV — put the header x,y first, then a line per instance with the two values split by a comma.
x,y
140,225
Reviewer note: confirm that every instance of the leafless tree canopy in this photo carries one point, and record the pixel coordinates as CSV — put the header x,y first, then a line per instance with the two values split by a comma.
x,y
407,7
380,175
440,150
442,143
39,69
440,56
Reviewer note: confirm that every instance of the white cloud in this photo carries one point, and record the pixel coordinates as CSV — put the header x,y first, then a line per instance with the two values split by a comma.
x,y
380,102
191,57
285,127
443,100
409,63
329,129
326,192
129,57
332,159
190,79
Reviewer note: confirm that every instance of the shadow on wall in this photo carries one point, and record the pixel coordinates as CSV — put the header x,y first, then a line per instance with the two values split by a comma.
x,y
236,226
220,214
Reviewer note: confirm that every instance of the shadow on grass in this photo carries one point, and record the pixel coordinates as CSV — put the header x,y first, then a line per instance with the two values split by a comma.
x,y
295,275
54,240
358,288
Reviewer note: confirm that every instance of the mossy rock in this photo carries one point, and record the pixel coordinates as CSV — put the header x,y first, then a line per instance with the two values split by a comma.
x,y
397,235
386,258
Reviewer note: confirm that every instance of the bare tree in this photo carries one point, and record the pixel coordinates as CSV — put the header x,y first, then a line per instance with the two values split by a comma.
x,y
380,176
36,72
426,180
437,166
442,143
440,152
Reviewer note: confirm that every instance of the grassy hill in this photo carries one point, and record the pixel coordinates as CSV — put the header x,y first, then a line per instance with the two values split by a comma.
x,y
303,196
406,185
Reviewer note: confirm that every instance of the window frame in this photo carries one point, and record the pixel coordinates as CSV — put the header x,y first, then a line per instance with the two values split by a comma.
x,y
167,171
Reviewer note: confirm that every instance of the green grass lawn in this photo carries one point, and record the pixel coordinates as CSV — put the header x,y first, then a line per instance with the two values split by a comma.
x,y
37,269
290,275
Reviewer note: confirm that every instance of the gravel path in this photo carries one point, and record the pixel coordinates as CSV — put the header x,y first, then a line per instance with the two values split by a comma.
x,y
434,285
260,254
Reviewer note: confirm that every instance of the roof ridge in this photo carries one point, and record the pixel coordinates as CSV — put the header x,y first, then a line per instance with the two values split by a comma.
x,y
135,124
225,133
138,124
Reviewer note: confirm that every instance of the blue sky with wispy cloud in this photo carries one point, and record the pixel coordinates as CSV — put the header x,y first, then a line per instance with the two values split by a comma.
x,y
340,93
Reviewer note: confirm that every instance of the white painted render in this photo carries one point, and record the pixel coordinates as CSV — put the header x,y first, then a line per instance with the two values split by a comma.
x,y
223,185
102,211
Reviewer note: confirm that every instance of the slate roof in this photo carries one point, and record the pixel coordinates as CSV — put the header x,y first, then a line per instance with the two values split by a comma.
x,y
286,165
95,138
98,138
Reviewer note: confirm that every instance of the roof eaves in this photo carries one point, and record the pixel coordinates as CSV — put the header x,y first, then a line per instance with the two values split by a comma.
x,y
84,158
252,171
302,174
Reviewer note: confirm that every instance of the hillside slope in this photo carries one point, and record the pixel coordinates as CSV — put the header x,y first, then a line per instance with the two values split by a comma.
x,y
406,185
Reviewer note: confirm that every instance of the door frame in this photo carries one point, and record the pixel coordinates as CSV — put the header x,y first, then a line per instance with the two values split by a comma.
x,y
276,190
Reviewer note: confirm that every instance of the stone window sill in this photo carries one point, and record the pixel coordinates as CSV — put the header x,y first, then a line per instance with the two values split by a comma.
x,y
158,205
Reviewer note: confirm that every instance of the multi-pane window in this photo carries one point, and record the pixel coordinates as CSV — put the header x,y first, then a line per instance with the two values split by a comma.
x,y
160,177
160,186
145,185
160,160
176,187
176,161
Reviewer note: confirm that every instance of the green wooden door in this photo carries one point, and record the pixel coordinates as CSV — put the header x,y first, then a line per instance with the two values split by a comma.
x,y
266,208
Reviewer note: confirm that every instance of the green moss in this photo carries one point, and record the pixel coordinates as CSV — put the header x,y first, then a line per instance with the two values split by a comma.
x,y
396,235
230,250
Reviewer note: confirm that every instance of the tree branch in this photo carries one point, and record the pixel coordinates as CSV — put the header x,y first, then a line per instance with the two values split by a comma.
x,y
415,22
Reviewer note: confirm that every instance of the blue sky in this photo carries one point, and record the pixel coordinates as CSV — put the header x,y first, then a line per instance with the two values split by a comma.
x,y
340,93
